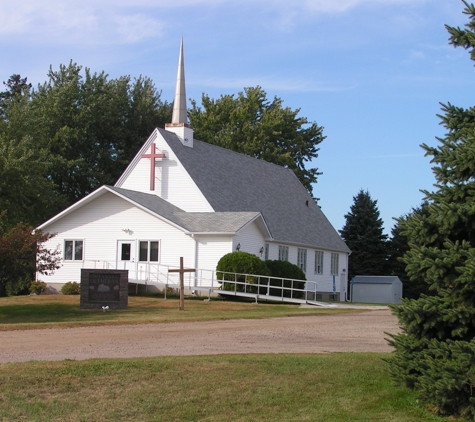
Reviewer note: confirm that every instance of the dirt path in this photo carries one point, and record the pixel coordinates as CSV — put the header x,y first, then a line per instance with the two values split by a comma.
x,y
358,332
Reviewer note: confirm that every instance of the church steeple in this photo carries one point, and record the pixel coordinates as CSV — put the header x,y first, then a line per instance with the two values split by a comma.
x,y
179,124
179,104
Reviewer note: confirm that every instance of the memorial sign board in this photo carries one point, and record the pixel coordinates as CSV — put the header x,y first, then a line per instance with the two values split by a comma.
x,y
104,288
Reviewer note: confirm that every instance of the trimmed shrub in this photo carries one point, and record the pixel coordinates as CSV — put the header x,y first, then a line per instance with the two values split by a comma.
x,y
286,270
37,287
71,288
241,263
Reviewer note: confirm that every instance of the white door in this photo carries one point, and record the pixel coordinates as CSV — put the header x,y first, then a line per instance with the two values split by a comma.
x,y
126,256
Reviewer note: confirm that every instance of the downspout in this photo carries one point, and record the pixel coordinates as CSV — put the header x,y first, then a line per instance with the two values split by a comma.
x,y
196,261
349,297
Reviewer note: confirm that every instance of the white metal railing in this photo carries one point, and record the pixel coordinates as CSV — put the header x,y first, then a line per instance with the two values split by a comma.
x,y
212,282
284,289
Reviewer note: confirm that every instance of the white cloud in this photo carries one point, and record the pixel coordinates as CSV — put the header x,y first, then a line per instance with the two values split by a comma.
x,y
86,23
91,22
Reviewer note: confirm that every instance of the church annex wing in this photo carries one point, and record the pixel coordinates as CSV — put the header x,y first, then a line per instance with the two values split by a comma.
x,y
233,182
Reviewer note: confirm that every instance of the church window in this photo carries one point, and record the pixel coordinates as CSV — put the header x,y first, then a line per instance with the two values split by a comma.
x,y
334,264
302,259
148,251
283,253
73,250
266,253
318,262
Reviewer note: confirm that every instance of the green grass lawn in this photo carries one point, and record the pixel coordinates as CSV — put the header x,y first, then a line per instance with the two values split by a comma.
x,y
279,387
337,387
29,312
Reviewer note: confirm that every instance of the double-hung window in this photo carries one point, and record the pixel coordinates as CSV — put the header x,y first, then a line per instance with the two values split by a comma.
x,y
318,262
266,253
148,251
73,250
283,253
302,259
334,263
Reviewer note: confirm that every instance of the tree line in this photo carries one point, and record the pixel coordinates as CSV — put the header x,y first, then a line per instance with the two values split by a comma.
x,y
79,130
372,251
76,132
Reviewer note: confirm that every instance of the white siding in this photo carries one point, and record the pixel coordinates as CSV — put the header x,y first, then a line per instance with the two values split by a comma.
x,y
324,281
172,181
210,249
251,240
100,224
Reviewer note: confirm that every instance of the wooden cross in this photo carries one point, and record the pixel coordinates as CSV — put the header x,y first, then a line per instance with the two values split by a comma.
x,y
152,157
182,272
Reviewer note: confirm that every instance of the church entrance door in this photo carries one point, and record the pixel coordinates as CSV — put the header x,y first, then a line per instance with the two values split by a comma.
x,y
126,256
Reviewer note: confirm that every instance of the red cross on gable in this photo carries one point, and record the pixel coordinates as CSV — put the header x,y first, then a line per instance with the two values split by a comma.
x,y
152,157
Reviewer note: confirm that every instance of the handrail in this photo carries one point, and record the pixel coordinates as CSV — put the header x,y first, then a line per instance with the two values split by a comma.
x,y
209,280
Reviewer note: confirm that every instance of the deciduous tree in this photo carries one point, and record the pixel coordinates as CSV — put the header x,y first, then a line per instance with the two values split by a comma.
x,y
77,131
22,253
92,126
251,124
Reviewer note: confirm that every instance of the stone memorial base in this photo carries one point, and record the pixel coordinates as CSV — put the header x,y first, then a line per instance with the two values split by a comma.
x,y
100,288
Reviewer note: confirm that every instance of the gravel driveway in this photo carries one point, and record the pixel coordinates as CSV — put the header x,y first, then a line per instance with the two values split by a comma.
x,y
352,332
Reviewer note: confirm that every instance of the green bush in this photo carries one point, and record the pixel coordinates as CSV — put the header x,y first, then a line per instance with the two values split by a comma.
x,y
241,263
37,287
286,270
71,288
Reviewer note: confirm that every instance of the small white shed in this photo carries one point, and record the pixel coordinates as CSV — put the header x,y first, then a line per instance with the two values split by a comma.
x,y
376,289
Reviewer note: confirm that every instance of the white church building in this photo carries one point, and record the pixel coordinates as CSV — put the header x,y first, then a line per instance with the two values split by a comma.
x,y
180,197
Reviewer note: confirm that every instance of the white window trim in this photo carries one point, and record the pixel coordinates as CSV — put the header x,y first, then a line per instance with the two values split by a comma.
x,y
319,259
283,253
302,259
149,250
73,251
335,258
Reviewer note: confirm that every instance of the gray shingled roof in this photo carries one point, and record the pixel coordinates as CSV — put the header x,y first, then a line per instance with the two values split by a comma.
x,y
216,222
376,279
234,182
194,222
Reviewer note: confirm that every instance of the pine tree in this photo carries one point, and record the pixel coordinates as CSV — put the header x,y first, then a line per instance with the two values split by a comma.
x,y
363,233
435,353
397,248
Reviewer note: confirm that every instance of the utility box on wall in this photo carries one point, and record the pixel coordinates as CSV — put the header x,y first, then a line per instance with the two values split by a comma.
x,y
376,289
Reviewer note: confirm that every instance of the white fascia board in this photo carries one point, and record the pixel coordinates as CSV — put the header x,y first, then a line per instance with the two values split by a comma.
x,y
93,195
160,217
99,192
262,225
212,233
136,159
308,246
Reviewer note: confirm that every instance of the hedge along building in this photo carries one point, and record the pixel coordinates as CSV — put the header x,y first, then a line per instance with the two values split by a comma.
x,y
180,197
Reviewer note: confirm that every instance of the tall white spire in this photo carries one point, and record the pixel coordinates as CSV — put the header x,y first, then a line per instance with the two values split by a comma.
x,y
179,124
179,104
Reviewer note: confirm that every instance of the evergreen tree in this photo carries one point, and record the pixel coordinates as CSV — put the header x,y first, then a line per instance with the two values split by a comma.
x,y
398,246
435,353
363,233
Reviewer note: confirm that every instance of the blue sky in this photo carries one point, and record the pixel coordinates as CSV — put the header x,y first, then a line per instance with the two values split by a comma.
x,y
371,72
